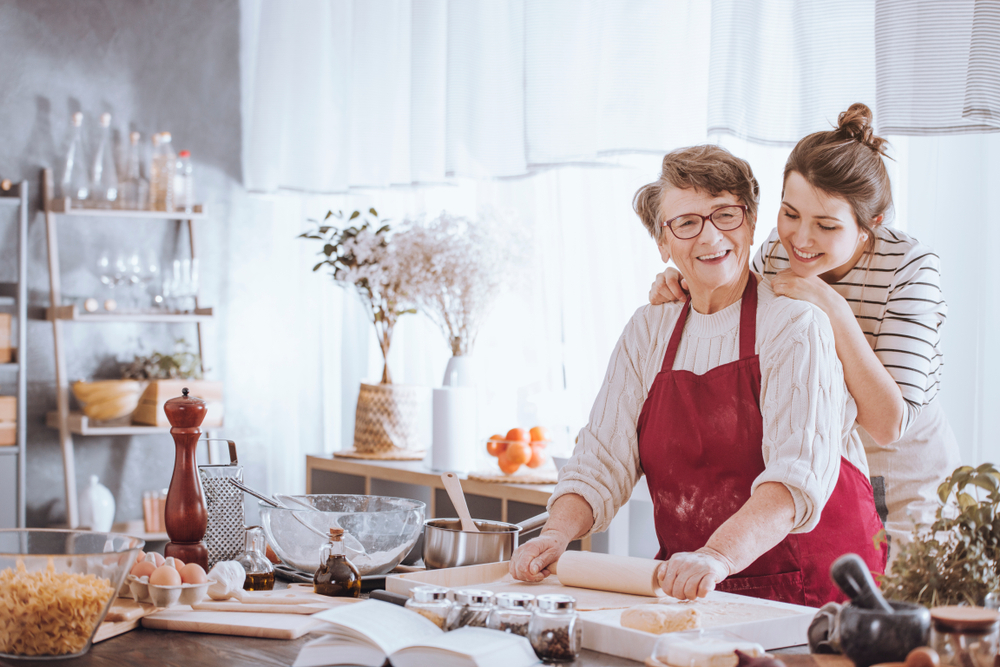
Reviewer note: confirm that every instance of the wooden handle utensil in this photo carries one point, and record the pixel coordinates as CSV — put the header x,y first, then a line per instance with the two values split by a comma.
x,y
603,572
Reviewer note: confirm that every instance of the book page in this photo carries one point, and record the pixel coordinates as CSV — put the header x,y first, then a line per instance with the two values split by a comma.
x,y
388,626
468,646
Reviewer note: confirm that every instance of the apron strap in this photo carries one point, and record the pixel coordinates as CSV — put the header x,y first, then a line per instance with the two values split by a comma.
x,y
748,318
748,326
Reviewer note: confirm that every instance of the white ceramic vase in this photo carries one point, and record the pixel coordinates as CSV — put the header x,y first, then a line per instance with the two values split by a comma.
x,y
97,506
455,439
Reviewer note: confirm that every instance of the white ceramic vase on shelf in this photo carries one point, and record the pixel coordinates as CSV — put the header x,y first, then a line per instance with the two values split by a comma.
x,y
97,506
455,442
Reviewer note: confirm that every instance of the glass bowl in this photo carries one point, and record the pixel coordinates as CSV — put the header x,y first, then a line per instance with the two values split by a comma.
x,y
56,586
380,530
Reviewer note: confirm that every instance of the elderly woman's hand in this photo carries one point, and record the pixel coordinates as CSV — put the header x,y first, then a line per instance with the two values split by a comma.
x,y
813,289
668,287
690,575
531,560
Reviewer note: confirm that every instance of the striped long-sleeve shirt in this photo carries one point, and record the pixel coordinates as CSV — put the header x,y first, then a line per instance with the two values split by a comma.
x,y
895,293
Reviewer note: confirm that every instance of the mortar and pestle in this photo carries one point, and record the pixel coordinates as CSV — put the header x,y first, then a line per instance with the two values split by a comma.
x,y
872,630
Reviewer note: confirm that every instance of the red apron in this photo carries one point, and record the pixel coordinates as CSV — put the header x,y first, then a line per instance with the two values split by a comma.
x,y
700,446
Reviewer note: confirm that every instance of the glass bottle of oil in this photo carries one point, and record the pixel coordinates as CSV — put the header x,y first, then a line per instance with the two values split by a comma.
x,y
336,576
260,572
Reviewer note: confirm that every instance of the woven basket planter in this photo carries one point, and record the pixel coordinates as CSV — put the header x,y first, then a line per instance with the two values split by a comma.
x,y
387,420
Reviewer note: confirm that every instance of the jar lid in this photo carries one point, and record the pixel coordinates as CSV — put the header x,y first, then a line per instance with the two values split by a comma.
x,y
430,593
515,600
953,618
556,602
474,597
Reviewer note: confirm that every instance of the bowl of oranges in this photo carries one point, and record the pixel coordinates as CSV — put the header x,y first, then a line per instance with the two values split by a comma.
x,y
520,447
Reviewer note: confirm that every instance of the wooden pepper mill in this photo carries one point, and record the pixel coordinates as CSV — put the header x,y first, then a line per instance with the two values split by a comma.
x,y
185,514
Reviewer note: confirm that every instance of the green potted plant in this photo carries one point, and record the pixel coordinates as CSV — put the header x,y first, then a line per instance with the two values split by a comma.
x,y
167,375
957,558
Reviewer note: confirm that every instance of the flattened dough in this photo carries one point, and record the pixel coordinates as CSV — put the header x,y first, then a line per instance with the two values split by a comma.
x,y
659,618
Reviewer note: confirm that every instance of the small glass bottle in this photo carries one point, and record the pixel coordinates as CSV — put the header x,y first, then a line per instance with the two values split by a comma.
x,y
75,184
965,636
555,631
104,175
336,577
135,189
511,613
184,183
432,603
472,608
260,572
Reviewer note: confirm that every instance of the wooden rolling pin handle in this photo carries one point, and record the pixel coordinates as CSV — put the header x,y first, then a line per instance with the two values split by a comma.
x,y
603,572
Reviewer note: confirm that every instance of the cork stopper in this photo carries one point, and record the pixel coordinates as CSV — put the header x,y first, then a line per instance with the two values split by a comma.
x,y
336,534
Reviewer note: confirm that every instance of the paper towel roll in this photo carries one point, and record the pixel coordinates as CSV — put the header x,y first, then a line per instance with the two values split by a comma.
x,y
453,447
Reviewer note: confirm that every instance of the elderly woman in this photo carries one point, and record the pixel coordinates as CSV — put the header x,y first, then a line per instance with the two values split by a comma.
x,y
734,407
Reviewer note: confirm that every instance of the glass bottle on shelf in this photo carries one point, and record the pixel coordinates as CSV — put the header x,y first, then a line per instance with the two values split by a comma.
x,y
260,572
103,174
336,575
162,169
74,184
135,189
184,183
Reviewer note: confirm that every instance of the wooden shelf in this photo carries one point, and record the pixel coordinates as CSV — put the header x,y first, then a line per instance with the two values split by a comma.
x,y
9,201
138,529
63,207
8,449
10,366
79,424
73,314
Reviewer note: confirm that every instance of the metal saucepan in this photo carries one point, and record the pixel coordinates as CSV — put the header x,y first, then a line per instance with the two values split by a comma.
x,y
447,545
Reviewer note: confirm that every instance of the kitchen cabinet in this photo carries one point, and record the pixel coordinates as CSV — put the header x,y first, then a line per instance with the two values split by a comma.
x,y
61,315
13,374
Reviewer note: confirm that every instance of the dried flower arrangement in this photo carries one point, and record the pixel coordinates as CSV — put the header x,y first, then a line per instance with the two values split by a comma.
x,y
370,257
464,262
957,558
183,364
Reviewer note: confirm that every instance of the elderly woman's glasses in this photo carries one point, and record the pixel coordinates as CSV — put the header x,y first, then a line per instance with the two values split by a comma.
x,y
725,219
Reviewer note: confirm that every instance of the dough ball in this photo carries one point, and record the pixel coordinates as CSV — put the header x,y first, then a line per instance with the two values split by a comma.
x,y
661,618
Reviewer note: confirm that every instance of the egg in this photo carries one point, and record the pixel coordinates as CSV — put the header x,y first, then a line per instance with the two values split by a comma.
x,y
157,558
140,556
178,564
165,576
193,574
923,657
142,569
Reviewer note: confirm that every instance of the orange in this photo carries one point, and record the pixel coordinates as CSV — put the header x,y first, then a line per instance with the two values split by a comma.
x,y
539,433
518,434
496,445
506,466
518,452
538,457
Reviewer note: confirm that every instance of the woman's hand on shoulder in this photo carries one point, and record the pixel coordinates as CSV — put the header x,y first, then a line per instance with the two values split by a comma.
x,y
668,287
531,560
691,575
814,290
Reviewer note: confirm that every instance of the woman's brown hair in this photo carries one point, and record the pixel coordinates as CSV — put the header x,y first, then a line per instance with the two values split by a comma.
x,y
710,169
847,163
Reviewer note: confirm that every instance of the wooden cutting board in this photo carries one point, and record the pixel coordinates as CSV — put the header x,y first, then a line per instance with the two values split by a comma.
x,y
123,616
238,623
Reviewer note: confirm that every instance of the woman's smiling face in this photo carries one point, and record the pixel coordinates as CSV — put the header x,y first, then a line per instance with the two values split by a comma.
x,y
715,263
818,231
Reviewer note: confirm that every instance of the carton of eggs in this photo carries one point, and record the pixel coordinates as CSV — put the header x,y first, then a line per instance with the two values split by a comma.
x,y
166,582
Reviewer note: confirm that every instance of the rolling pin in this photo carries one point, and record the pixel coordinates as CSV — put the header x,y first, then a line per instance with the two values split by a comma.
x,y
603,572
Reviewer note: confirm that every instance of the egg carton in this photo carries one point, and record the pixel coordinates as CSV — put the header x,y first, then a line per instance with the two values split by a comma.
x,y
166,596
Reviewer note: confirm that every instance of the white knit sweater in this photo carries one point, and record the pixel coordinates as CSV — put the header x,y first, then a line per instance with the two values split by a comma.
x,y
808,412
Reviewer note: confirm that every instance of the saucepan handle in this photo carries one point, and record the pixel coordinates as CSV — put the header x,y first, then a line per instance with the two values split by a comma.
x,y
533,524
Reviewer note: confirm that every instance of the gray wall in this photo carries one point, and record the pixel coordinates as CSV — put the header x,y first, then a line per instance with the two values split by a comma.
x,y
154,65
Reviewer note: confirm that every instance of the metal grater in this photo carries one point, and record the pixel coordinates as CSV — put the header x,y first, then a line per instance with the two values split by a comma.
x,y
226,521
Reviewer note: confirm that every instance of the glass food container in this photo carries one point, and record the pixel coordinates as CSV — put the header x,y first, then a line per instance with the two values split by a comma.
x,y
965,636
472,608
555,630
432,603
511,613
260,572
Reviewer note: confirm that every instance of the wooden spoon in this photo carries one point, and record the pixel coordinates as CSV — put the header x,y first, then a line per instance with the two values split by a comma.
x,y
454,488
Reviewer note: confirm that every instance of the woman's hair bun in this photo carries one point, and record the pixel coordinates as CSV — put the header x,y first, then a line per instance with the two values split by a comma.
x,y
856,123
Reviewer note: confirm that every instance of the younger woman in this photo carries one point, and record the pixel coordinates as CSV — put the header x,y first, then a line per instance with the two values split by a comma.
x,y
881,289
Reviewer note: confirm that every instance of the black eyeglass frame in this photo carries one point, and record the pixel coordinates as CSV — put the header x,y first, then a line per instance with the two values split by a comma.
x,y
668,223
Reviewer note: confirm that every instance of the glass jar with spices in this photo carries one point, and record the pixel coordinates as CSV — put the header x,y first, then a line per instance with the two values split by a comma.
x,y
432,603
555,630
336,577
511,613
472,608
965,636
